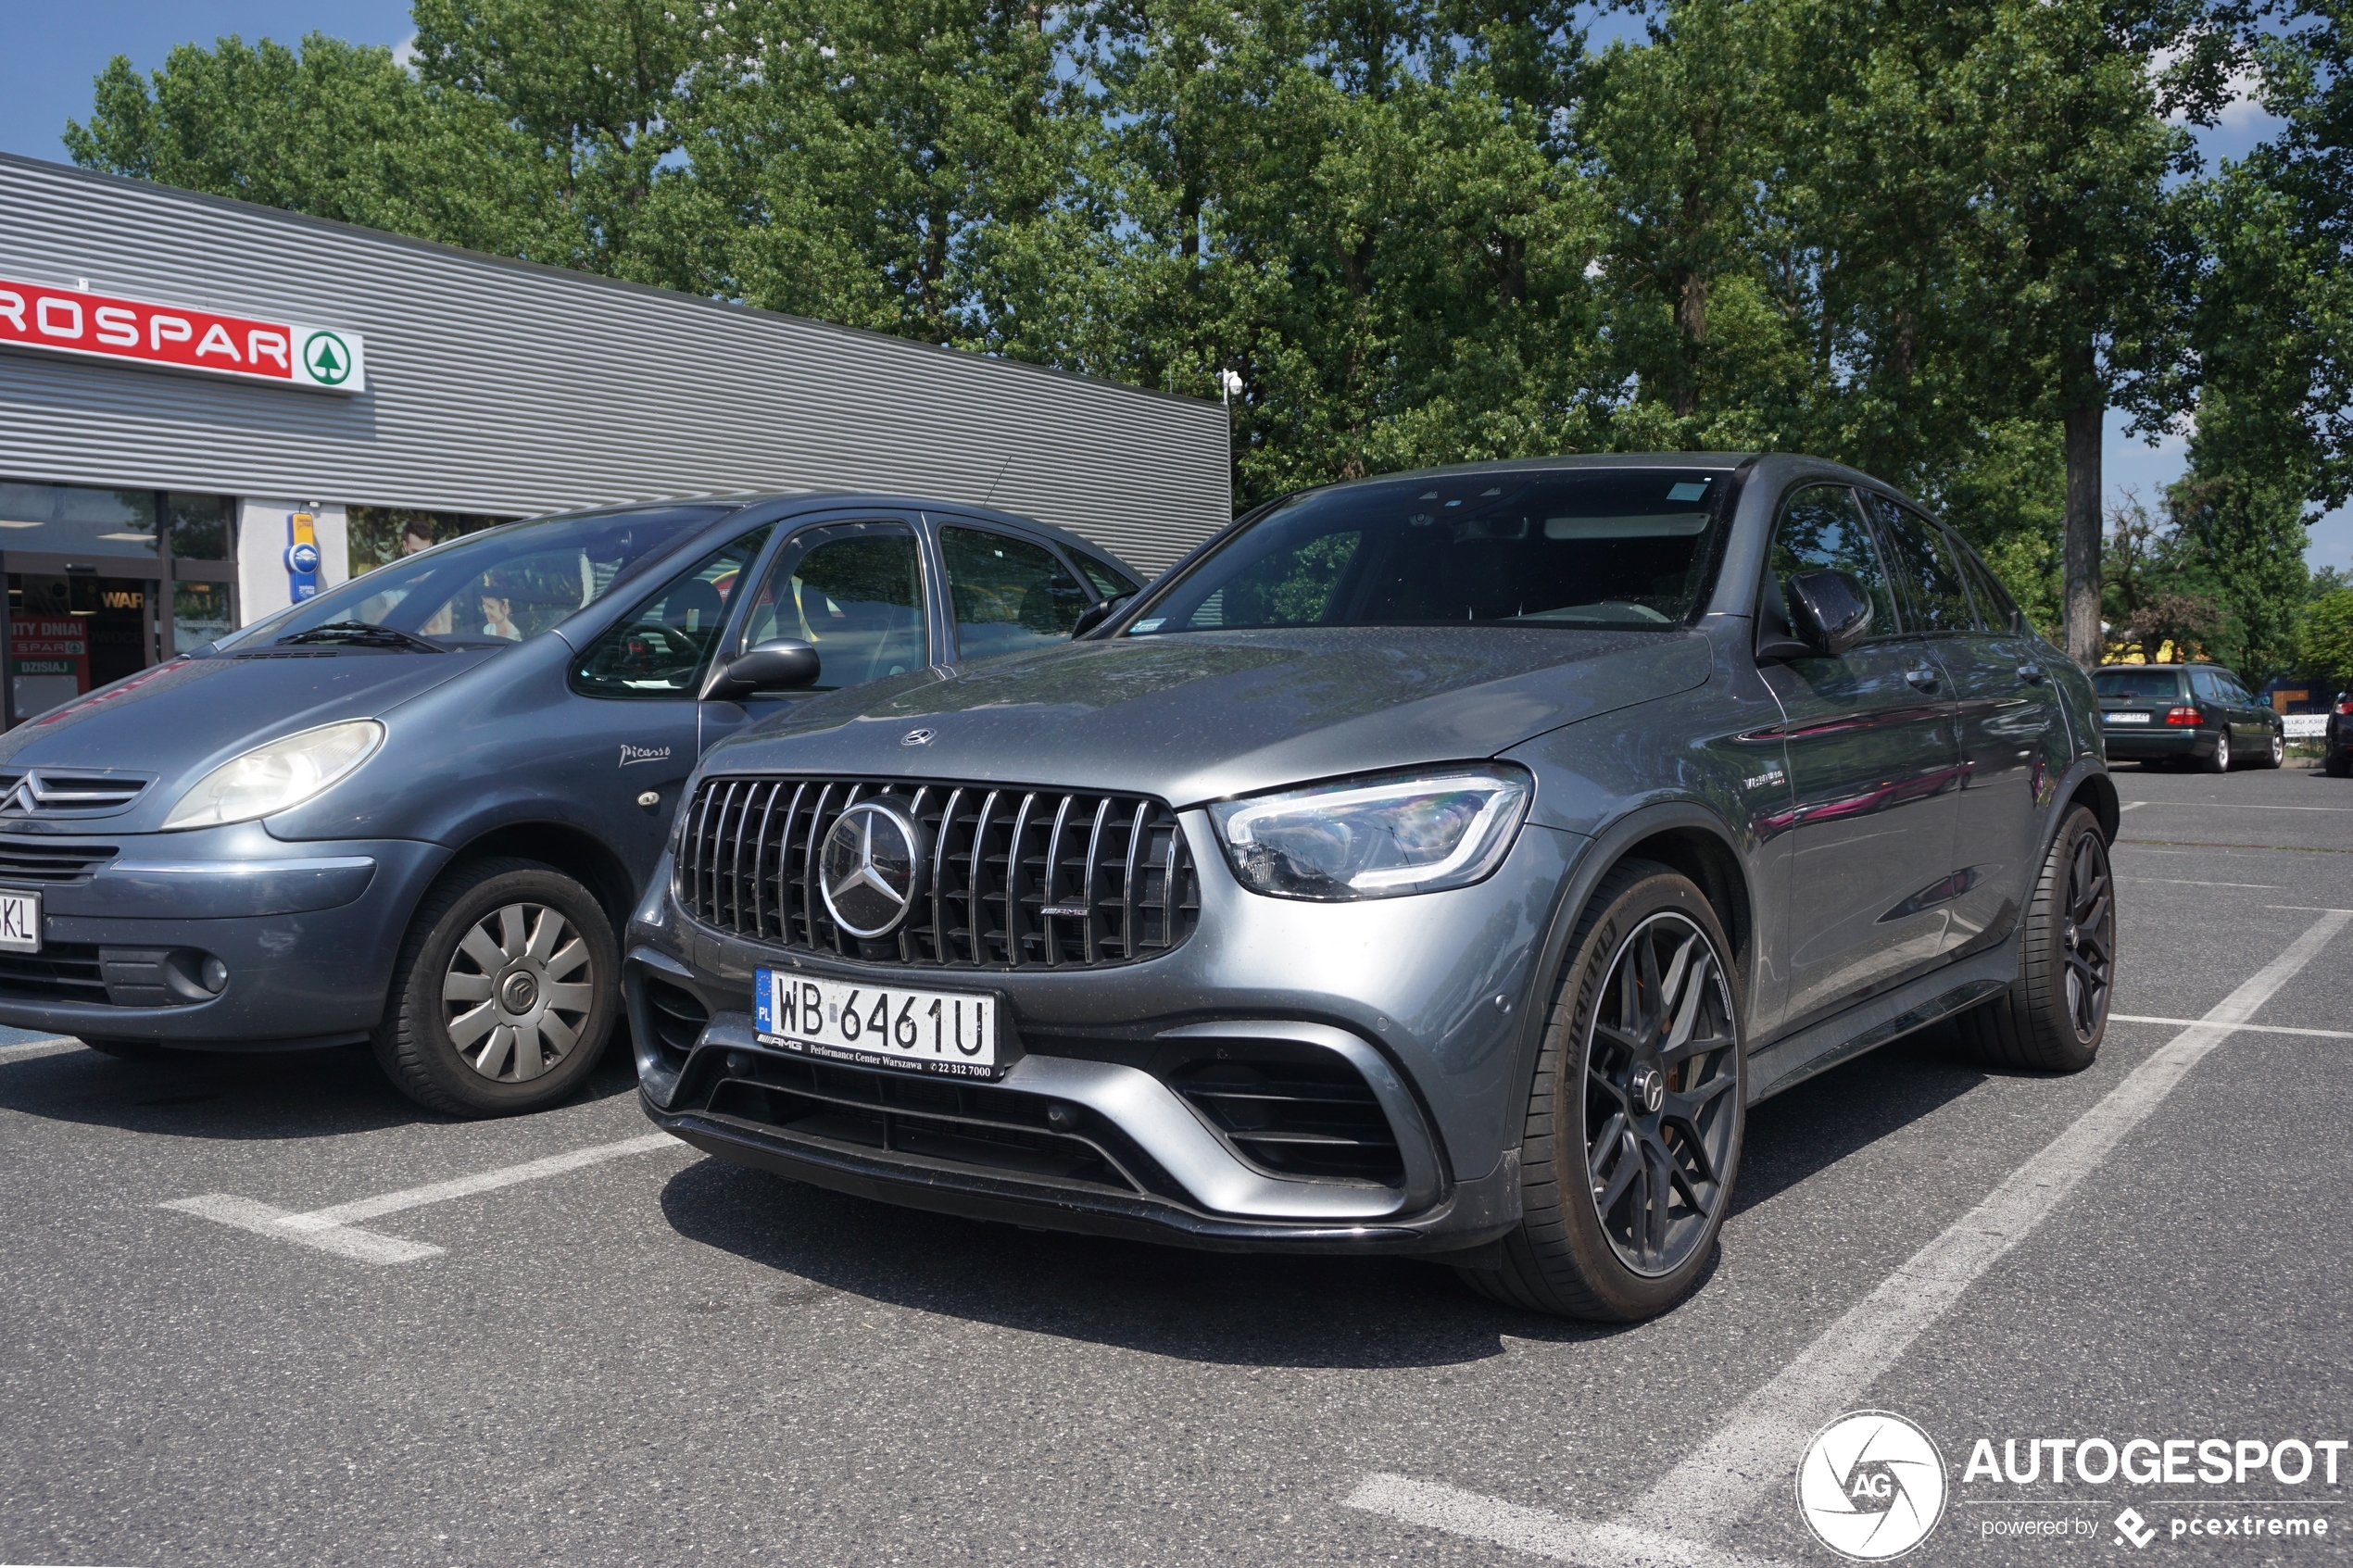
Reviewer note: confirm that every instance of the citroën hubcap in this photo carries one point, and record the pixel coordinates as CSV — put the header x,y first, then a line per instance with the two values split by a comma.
x,y
517,992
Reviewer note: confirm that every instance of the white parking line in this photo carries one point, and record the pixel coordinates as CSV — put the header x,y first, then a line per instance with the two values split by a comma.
x,y
332,1230
2258,1028
1700,1498
2201,882
2129,805
1534,1531
40,1048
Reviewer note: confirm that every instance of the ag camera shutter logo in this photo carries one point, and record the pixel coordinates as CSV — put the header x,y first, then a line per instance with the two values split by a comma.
x,y
1871,1486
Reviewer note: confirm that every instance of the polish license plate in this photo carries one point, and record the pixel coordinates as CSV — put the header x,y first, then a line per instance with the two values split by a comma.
x,y
2125,717
20,922
952,1033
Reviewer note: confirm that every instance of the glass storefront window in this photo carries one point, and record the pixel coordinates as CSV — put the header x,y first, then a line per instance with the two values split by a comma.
x,y
200,613
77,520
200,525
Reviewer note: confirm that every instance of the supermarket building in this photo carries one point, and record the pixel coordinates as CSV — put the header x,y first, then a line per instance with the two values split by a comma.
x,y
209,409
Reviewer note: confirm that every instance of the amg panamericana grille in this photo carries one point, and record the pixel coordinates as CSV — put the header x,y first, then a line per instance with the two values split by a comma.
x,y
1015,877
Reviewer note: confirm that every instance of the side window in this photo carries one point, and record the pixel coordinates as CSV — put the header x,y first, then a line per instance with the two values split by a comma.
x,y
1821,529
663,647
855,594
1997,611
1922,565
2207,688
1109,580
1011,596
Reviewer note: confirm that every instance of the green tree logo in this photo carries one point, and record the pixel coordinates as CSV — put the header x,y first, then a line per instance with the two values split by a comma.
x,y
327,358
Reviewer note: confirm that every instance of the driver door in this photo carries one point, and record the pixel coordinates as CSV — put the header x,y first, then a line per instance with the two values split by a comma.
x,y
853,591
1873,773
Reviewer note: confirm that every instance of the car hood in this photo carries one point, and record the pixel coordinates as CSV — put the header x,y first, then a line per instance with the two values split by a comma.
x,y
185,717
1205,715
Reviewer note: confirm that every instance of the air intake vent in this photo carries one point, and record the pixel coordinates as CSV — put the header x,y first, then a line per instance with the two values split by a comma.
x,y
677,1017
51,792
49,859
1310,1116
1011,877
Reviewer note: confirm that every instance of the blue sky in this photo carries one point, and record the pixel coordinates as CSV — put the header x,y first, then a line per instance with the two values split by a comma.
x,y
55,50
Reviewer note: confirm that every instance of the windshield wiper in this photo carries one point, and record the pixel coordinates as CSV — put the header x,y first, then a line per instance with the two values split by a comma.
x,y
364,635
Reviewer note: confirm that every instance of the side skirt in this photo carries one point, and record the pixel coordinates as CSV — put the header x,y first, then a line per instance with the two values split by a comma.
x,y
1818,1048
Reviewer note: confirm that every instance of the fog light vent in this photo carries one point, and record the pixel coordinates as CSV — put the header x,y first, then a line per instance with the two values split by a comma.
x,y
1294,1112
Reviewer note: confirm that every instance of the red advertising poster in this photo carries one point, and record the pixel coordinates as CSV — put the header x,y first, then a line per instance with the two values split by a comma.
x,y
48,661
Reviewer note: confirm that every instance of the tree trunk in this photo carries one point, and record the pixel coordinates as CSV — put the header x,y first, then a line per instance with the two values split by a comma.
x,y
2087,412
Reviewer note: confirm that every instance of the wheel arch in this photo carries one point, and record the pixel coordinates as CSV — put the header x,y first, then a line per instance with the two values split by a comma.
x,y
2088,786
569,848
1685,836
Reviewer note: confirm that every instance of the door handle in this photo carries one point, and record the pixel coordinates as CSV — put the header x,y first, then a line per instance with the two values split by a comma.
x,y
1924,678
2031,673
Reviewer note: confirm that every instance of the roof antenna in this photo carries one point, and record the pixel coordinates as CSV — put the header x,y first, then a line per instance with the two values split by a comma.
x,y
999,480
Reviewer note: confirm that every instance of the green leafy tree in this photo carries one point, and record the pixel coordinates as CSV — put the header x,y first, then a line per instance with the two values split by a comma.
x,y
2326,647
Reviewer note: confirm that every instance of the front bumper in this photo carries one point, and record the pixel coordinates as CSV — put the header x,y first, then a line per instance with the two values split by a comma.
x,y
309,934
1421,998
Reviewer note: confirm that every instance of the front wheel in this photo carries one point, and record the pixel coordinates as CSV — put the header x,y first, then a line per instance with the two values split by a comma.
x,y
2276,754
2055,1014
1634,1121
504,994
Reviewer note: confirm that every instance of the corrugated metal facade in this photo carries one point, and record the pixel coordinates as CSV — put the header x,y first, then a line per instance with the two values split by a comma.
x,y
500,386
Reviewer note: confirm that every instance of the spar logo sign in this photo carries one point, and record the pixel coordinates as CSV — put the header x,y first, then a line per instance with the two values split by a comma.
x,y
1871,1486
327,358
136,332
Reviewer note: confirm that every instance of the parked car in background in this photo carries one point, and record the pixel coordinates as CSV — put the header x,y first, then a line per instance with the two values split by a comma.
x,y
2336,741
1440,864
416,810
2173,715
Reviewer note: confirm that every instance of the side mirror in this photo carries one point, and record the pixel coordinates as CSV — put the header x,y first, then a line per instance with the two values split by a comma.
x,y
780,664
1094,615
1831,610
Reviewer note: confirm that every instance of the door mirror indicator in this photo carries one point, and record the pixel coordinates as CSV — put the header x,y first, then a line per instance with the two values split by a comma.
x,y
779,664
1096,614
1831,610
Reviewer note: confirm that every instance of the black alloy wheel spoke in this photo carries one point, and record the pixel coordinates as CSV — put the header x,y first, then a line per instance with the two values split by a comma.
x,y
1663,1036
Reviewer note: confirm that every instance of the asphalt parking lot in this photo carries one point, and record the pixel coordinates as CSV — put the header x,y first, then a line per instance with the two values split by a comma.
x,y
558,1339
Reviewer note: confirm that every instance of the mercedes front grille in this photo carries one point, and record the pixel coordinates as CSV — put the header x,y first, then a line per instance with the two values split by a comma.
x,y
1017,877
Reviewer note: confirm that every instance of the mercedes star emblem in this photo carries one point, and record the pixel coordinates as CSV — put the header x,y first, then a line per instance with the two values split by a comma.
x,y
870,867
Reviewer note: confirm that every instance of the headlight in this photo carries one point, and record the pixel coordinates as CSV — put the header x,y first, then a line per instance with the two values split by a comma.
x,y
1375,839
270,778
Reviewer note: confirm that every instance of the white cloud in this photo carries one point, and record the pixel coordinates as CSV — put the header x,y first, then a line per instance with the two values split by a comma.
x,y
404,54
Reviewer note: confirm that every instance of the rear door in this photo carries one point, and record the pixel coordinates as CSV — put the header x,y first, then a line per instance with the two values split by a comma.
x,y
1873,769
2005,716
1006,593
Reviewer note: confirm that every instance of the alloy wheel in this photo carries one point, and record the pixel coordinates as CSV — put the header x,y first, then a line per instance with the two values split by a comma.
x,y
1661,1108
2223,752
2090,938
517,991
2279,751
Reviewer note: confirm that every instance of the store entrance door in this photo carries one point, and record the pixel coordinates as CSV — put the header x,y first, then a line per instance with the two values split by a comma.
x,y
74,632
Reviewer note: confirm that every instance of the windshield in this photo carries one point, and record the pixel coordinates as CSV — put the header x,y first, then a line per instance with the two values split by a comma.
x,y
500,586
1596,548
2139,685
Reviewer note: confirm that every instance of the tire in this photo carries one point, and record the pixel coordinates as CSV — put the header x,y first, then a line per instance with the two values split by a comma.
x,y
2275,754
482,1022
2221,761
128,1051
1640,1090
2055,1014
